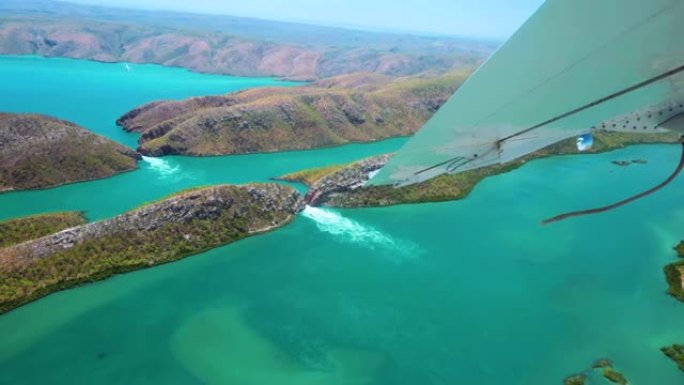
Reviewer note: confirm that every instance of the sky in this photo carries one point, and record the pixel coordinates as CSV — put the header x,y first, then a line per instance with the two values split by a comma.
x,y
495,19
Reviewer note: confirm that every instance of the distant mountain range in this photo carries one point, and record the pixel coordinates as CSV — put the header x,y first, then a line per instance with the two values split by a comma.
x,y
224,44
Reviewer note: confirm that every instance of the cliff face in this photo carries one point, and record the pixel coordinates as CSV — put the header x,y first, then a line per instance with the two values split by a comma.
x,y
345,181
38,151
353,108
171,229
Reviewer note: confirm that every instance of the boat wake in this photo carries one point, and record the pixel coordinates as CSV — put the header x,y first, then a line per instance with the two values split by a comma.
x,y
351,231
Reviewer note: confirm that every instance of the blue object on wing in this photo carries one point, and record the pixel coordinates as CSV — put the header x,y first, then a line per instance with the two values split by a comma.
x,y
585,142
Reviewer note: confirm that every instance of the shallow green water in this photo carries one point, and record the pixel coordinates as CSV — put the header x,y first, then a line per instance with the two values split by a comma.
x,y
467,292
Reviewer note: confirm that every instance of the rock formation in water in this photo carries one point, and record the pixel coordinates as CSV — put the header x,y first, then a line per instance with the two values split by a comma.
x,y
676,354
185,224
223,44
38,151
607,370
351,108
674,274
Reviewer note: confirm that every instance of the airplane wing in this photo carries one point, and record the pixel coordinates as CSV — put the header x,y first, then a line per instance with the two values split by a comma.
x,y
575,66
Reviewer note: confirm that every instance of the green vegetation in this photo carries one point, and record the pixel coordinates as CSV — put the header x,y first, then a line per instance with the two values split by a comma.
x,y
172,195
345,109
607,370
602,363
458,186
614,376
676,354
308,177
577,379
674,274
680,249
159,233
20,230
40,151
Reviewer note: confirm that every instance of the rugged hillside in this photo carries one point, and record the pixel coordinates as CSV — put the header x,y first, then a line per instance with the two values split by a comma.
x,y
38,151
351,108
185,224
20,230
222,44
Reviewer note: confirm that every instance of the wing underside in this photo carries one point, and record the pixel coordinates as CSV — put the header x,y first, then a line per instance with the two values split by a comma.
x,y
575,66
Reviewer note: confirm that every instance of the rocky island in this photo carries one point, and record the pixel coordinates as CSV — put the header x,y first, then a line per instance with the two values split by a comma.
x,y
185,224
38,151
605,367
336,111
674,273
676,354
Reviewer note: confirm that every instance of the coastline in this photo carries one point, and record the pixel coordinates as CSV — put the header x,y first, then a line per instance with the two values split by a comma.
x,y
11,190
334,193
178,67
144,237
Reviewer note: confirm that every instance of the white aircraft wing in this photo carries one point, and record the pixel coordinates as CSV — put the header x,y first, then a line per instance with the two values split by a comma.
x,y
576,65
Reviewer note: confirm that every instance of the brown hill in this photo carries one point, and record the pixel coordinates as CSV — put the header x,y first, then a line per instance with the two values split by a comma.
x,y
39,151
351,108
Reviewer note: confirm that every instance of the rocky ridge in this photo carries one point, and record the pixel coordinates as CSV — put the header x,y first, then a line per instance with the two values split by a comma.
x,y
173,228
351,108
344,181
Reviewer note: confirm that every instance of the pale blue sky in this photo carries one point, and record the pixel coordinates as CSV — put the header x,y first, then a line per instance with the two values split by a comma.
x,y
480,18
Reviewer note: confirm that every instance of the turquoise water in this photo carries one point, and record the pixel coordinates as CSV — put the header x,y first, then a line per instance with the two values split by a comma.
x,y
94,95
159,177
467,292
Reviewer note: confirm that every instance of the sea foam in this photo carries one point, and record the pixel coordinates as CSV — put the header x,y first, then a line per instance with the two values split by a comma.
x,y
351,231
161,166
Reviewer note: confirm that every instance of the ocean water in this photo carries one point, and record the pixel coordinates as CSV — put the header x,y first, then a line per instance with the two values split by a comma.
x,y
466,292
